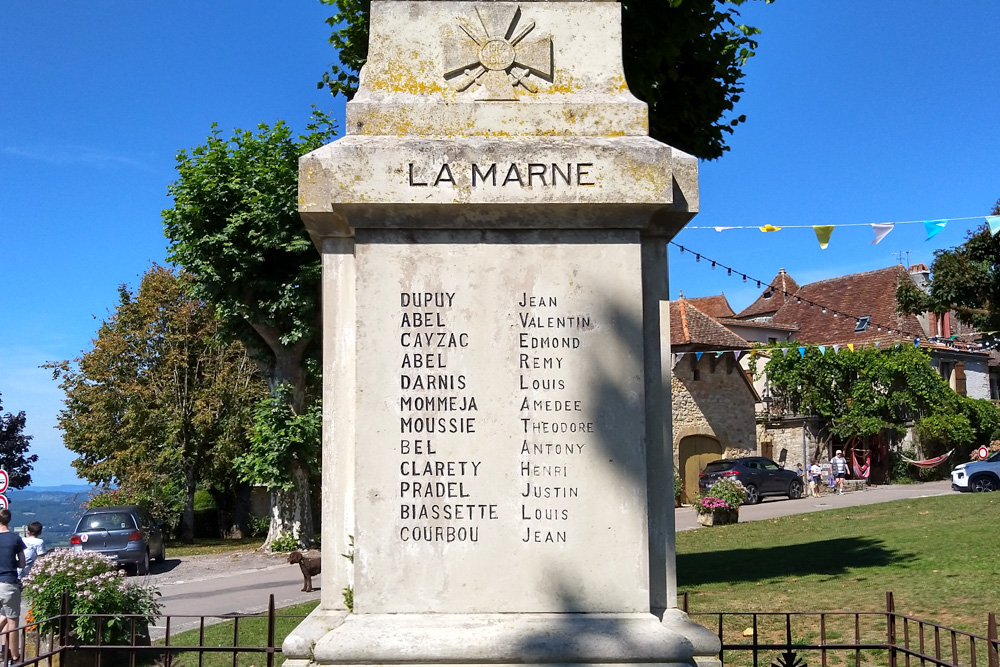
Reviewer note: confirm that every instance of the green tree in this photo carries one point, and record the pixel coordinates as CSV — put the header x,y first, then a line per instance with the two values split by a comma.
x,y
869,390
235,228
158,396
14,445
965,280
684,58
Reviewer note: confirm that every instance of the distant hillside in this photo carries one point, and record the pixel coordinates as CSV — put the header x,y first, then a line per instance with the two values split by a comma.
x,y
57,508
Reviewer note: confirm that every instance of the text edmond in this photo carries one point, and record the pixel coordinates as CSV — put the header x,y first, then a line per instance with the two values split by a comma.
x,y
547,174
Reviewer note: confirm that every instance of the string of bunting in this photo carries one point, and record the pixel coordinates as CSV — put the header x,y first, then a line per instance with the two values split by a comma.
x,y
801,349
880,229
889,329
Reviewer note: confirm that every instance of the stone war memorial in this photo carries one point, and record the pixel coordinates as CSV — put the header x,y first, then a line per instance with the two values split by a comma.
x,y
496,440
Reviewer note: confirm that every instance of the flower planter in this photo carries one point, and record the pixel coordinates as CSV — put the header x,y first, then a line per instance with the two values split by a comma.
x,y
719,517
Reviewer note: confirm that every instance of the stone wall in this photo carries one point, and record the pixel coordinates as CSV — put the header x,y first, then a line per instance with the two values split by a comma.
x,y
711,397
786,436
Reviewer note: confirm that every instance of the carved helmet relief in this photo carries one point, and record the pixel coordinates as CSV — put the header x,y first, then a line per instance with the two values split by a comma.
x,y
494,53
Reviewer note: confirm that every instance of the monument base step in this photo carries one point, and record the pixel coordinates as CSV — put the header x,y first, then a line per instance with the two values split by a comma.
x,y
460,640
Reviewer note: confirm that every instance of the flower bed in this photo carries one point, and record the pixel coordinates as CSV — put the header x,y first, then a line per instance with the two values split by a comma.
x,y
720,503
94,585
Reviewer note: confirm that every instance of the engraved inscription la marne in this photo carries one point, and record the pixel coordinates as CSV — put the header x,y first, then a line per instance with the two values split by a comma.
x,y
501,175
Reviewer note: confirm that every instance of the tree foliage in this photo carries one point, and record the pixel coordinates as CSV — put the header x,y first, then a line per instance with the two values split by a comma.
x,y
14,444
684,58
965,280
235,229
869,390
160,402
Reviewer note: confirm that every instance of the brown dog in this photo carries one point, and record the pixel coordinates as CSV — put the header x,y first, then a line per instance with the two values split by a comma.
x,y
310,566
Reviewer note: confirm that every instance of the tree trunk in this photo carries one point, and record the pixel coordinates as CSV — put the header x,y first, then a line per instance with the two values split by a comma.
x,y
187,519
290,513
290,509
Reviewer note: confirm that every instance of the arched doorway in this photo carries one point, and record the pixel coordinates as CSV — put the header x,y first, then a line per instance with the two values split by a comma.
x,y
695,452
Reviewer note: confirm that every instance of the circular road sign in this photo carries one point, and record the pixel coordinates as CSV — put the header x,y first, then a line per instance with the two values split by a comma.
x,y
4,503
4,480
983,453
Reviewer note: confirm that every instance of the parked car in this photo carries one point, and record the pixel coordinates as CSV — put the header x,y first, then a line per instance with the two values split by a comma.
x,y
977,476
760,475
127,533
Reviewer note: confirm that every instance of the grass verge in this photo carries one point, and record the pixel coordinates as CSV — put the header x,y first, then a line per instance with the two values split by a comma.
x,y
212,546
937,555
252,632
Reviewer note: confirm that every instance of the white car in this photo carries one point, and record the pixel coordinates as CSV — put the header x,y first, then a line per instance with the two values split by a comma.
x,y
977,476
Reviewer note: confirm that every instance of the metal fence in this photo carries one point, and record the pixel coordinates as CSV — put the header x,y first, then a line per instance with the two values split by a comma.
x,y
777,639
185,641
842,639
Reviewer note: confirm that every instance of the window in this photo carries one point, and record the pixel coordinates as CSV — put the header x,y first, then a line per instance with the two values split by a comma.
x,y
862,324
944,368
960,378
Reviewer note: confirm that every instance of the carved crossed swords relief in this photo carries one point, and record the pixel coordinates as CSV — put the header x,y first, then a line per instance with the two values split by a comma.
x,y
495,54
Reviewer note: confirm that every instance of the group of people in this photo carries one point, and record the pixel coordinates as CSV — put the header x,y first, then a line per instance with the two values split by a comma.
x,y
838,473
17,554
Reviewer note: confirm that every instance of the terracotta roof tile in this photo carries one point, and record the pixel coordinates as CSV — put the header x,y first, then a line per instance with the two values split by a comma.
x,y
714,306
691,329
772,298
872,293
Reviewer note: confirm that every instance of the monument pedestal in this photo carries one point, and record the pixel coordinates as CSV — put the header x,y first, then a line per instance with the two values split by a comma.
x,y
496,384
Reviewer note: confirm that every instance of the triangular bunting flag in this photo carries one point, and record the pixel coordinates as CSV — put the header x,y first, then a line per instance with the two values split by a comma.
x,y
769,228
697,356
878,344
802,351
677,358
737,354
784,351
719,353
994,222
836,348
823,234
850,346
934,227
722,229
881,230
822,349
916,342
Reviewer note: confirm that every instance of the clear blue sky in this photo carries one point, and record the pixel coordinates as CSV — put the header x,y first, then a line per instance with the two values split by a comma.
x,y
858,112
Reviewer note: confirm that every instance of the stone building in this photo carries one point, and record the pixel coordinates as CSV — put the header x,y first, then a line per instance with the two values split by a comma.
x,y
711,397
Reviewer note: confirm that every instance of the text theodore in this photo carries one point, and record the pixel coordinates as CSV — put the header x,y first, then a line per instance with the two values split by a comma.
x,y
530,174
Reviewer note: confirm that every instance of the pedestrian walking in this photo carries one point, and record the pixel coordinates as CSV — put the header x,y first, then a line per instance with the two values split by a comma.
x,y
34,546
11,558
815,476
839,464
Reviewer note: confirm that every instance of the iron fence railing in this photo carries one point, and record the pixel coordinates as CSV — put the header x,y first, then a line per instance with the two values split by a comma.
x,y
748,639
838,639
235,639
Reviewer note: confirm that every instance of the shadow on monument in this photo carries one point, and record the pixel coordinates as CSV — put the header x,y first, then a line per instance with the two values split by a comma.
x,y
622,444
824,557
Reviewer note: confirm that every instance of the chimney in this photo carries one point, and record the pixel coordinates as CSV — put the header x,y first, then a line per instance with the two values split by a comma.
x,y
921,276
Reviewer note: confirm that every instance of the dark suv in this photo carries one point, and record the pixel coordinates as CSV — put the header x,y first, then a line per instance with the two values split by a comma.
x,y
761,476
127,533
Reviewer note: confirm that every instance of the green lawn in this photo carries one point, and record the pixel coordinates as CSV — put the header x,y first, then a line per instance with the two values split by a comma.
x,y
252,632
205,546
939,556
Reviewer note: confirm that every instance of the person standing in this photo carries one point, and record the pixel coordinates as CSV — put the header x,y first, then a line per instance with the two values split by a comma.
x,y
34,547
11,558
839,471
815,475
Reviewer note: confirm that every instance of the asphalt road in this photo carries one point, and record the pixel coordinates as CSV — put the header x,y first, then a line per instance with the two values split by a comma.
x,y
218,586
775,507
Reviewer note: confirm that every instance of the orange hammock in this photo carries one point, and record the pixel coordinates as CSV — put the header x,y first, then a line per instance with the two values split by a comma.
x,y
929,463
